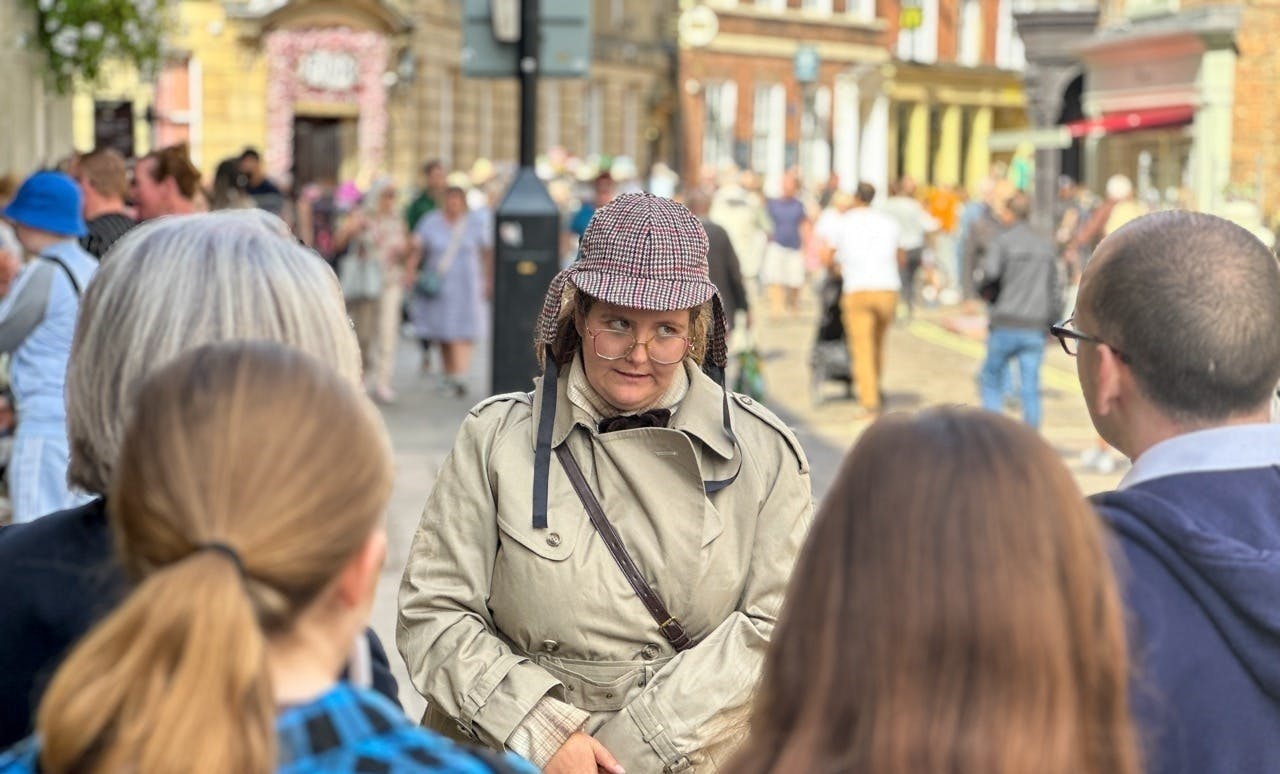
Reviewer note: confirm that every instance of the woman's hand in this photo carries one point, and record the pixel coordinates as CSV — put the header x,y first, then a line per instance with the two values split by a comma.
x,y
582,754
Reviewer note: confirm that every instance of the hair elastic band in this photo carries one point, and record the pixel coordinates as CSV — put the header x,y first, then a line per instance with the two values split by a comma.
x,y
225,550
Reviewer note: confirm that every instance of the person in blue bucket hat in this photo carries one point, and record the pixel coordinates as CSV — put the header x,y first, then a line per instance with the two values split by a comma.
x,y
37,318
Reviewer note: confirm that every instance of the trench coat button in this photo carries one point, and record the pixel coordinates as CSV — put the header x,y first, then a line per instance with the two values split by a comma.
x,y
550,646
746,401
649,652
553,540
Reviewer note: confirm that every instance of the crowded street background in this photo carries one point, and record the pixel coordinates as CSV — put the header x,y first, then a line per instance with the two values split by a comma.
x,y
613,385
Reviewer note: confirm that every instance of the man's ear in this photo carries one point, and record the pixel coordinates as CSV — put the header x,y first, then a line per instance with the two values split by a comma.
x,y
1112,382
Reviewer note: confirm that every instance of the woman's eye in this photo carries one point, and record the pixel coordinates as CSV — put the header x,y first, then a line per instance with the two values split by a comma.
x,y
667,330
618,325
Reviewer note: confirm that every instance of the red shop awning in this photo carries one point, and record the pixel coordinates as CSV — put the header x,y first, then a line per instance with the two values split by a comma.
x,y
1132,120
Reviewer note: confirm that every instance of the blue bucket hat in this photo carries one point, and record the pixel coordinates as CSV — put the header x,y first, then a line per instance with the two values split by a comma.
x,y
49,201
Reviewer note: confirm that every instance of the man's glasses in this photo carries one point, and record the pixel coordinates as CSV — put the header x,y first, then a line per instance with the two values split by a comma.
x,y
615,345
1070,339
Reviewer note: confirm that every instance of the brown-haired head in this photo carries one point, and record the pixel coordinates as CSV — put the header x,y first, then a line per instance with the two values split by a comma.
x,y
235,445
104,171
174,161
953,610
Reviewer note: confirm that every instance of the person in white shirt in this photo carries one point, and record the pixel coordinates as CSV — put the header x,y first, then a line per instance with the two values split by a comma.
x,y
866,247
915,225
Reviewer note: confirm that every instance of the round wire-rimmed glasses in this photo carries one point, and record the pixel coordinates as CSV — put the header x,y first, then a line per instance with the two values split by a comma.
x,y
615,345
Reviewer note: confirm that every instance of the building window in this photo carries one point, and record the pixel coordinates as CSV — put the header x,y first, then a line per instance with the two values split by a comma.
x,y
861,9
445,116
631,122
485,147
769,131
821,7
617,13
920,44
771,5
970,34
815,138
720,104
595,119
1010,54
550,88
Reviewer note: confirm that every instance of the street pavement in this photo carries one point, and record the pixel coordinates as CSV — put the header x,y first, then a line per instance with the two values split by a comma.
x,y
932,360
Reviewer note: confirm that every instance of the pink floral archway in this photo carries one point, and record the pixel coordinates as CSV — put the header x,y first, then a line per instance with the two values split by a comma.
x,y
288,51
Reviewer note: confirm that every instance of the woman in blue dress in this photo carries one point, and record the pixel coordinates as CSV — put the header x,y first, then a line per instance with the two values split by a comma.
x,y
453,272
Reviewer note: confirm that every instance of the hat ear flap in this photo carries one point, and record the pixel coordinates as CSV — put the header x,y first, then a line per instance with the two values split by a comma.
x,y
546,330
717,347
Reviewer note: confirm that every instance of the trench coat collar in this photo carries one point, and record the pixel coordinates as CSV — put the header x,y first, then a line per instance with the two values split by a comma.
x,y
700,414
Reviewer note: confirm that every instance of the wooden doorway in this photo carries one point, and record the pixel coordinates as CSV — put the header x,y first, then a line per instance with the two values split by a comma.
x,y
324,149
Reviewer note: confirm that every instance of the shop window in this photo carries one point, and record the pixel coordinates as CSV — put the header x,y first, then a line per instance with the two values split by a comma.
x,y
921,43
1010,53
720,103
113,126
970,34
861,9
821,7
815,139
768,131
595,119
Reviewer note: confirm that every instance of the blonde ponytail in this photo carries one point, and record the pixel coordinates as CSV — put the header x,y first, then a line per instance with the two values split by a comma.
x,y
174,680
235,446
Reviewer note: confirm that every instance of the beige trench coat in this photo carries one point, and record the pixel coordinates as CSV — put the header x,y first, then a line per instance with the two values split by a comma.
x,y
494,614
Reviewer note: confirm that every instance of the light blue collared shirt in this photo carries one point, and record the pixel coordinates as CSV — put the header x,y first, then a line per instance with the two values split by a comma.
x,y
1234,447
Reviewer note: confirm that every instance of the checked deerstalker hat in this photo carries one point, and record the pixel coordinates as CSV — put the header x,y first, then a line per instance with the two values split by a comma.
x,y
644,252
639,251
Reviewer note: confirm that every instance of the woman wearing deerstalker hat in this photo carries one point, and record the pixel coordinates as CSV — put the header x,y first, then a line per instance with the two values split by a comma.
x,y
610,607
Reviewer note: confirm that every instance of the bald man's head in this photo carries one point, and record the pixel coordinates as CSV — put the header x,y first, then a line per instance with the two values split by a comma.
x,y
1193,301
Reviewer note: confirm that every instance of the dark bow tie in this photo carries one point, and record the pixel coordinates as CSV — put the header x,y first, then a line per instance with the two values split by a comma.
x,y
651,418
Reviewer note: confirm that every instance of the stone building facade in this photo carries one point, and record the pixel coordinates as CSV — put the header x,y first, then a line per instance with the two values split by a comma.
x,y
37,120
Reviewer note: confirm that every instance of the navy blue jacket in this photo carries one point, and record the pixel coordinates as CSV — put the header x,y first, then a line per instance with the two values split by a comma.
x,y
1201,573
58,576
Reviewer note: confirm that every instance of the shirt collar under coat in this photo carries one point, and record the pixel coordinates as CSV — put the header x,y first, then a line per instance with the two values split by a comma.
x,y
700,414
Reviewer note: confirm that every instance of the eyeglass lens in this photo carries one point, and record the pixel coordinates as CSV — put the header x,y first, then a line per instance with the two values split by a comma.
x,y
615,345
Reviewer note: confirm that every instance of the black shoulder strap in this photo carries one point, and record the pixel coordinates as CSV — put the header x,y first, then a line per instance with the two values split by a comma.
x,y
672,629
67,269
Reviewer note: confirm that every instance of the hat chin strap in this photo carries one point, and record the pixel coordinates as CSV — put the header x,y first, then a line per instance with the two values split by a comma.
x,y
546,425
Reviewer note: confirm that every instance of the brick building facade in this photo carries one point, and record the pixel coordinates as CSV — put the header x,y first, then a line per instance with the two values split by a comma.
x,y
1181,96
884,101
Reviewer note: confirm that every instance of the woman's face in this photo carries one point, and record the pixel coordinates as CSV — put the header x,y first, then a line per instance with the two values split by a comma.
x,y
387,201
455,204
633,382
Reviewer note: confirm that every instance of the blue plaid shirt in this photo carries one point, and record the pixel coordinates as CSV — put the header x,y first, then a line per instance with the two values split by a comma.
x,y
347,730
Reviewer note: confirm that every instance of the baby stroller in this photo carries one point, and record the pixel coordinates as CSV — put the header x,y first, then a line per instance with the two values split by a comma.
x,y
829,360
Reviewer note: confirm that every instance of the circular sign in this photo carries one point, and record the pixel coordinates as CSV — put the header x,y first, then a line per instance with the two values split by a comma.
x,y
329,70
698,26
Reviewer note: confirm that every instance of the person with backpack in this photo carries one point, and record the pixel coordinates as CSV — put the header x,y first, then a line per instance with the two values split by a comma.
x,y
37,319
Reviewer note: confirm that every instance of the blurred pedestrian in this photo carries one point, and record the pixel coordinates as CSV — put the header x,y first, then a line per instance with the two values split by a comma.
x,y
387,240
914,227
318,216
226,655
453,253
782,271
865,246
104,182
1025,264
361,273
986,220
213,277
506,578
266,195
999,637
431,186
740,211
228,187
37,318
603,190
1178,363
722,262
165,182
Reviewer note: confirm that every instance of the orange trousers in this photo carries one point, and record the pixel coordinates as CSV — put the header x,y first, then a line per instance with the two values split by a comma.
x,y
867,316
